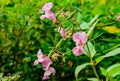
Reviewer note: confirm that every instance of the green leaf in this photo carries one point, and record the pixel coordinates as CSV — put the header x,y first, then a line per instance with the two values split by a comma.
x,y
109,54
84,25
90,48
112,53
72,14
111,29
93,20
92,79
5,2
1,75
91,28
99,59
79,68
79,18
114,70
104,72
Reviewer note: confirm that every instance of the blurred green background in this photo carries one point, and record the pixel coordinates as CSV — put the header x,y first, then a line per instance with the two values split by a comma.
x,y
22,34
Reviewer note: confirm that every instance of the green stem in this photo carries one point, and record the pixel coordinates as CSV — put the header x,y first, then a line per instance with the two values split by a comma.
x,y
94,69
58,44
107,79
92,62
82,3
67,52
77,78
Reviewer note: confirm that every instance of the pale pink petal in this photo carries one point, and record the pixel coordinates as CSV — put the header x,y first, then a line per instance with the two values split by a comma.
x,y
36,62
52,70
80,37
39,54
42,17
50,15
48,72
83,37
77,37
77,51
40,59
46,63
45,77
47,7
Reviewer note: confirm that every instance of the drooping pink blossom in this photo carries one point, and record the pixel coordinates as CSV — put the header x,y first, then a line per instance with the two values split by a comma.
x,y
43,59
45,62
48,13
80,37
77,51
118,18
62,32
48,72
47,7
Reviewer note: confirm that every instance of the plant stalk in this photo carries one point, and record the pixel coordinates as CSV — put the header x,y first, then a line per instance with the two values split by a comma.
x,y
92,62
94,69
58,44
107,79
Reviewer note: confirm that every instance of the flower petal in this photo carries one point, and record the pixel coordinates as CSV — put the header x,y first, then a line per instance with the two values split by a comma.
x,y
36,62
77,51
47,7
48,72
42,17
84,37
39,54
80,37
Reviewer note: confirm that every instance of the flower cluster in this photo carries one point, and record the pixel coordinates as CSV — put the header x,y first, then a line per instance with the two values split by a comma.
x,y
80,38
48,13
45,62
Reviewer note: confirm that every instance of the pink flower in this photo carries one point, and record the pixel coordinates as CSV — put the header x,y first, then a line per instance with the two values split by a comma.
x,y
45,62
43,59
77,51
48,13
118,18
47,7
80,37
62,32
48,72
